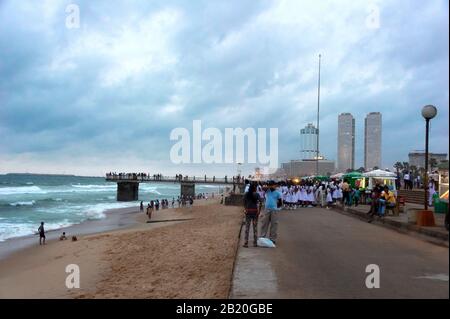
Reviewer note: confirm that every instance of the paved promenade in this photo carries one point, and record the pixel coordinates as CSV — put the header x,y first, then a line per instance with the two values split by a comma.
x,y
323,254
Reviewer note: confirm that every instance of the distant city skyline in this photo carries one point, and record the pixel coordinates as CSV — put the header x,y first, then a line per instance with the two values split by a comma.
x,y
105,96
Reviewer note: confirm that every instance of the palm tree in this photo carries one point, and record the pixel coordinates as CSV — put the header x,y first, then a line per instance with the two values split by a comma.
x,y
433,163
405,166
421,172
398,166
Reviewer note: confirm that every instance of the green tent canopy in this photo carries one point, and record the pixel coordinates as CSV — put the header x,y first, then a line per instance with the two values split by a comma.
x,y
353,175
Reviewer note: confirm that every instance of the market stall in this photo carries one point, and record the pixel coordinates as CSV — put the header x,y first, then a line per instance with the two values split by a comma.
x,y
380,177
355,179
441,204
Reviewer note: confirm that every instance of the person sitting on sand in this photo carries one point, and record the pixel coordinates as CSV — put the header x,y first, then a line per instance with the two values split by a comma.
x,y
63,236
41,231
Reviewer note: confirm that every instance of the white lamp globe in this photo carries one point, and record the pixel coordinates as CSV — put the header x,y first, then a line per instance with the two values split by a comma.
x,y
429,111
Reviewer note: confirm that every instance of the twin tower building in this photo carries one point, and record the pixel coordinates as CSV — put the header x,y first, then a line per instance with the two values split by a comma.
x,y
346,142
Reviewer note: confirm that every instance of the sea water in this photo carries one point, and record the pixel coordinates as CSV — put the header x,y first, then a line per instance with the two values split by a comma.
x,y
64,200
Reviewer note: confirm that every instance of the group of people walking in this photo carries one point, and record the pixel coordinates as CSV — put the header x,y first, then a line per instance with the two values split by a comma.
x,y
324,194
305,194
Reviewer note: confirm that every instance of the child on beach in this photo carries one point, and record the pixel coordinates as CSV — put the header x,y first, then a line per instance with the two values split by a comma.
x,y
63,236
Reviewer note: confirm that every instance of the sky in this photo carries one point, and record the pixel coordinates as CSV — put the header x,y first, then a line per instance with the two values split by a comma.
x,y
103,92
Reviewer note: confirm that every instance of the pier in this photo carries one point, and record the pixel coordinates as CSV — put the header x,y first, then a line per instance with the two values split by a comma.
x,y
128,183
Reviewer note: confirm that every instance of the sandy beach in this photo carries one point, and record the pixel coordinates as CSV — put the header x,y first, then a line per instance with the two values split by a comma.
x,y
182,253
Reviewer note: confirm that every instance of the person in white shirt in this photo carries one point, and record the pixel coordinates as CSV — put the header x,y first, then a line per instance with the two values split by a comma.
x,y
406,180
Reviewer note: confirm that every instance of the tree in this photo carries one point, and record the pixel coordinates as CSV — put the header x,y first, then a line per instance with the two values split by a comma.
x,y
433,163
348,170
421,172
361,169
399,167
375,167
405,166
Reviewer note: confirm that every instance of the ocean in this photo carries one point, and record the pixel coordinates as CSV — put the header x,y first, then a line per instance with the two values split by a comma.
x,y
64,200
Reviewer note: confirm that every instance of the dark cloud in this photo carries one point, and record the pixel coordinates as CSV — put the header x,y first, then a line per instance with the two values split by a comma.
x,y
108,94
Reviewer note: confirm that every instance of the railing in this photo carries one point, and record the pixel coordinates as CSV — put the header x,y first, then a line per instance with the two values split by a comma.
x,y
174,179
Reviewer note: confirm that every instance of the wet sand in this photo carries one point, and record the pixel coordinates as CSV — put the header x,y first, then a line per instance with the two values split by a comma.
x,y
115,219
191,257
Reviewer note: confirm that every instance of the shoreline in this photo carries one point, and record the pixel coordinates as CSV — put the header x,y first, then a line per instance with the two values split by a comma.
x,y
116,218
183,253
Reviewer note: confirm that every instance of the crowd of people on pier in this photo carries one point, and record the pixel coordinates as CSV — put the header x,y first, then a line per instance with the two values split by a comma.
x,y
238,179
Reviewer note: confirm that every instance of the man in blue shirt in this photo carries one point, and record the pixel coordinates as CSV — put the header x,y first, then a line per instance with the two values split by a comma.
x,y
270,217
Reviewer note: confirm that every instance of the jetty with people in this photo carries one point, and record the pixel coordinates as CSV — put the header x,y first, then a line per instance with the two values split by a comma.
x,y
128,183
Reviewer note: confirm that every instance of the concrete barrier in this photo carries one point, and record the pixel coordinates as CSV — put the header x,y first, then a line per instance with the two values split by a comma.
x,y
234,200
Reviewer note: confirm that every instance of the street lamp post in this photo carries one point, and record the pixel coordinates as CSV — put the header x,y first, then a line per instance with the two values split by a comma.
x,y
318,111
428,112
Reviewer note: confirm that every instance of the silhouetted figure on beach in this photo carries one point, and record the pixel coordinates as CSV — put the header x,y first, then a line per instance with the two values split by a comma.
x,y
41,231
142,206
63,236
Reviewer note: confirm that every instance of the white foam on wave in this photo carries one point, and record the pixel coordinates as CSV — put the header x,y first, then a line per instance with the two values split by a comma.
x,y
29,203
95,186
149,189
21,190
10,230
98,211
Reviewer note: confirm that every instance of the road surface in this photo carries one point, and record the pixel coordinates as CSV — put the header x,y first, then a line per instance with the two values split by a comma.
x,y
324,254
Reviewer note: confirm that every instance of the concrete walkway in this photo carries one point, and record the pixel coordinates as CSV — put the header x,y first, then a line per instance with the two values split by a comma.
x,y
323,254
437,234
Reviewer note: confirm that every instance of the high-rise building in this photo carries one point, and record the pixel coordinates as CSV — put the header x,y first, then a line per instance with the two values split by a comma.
x,y
308,142
417,159
346,142
372,140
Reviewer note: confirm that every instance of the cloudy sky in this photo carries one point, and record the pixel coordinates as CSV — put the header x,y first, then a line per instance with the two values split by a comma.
x,y
105,96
